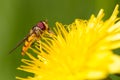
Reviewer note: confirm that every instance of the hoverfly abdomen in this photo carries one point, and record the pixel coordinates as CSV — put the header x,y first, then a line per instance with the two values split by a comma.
x,y
28,43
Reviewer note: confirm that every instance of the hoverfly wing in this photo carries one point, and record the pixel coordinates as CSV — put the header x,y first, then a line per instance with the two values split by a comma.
x,y
19,43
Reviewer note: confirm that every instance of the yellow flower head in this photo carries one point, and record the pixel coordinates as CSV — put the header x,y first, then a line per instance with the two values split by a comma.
x,y
79,51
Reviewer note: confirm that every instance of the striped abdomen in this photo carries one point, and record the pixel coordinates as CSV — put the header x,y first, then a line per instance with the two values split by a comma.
x,y
28,43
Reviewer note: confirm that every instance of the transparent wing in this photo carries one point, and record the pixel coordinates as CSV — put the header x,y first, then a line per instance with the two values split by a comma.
x,y
19,44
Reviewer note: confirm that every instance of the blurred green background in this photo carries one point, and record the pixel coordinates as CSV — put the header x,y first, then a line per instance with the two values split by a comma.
x,y
18,16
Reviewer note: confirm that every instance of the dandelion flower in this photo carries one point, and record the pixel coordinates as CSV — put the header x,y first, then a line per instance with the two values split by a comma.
x,y
78,51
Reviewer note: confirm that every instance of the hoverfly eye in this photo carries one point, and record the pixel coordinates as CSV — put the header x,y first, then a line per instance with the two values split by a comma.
x,y
41,26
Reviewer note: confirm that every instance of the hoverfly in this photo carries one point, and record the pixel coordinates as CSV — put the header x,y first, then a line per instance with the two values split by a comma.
x,y
34,34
